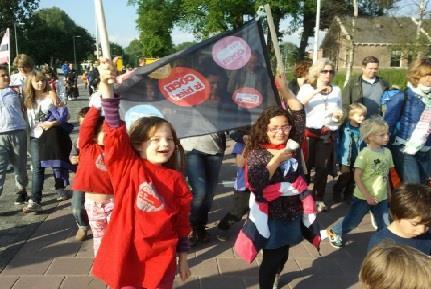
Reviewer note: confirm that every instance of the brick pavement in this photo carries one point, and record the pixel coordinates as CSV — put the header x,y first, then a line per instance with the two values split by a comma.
x,y
38,251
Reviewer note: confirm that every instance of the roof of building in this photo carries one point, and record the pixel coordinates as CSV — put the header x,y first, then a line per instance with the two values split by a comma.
x,y
383,29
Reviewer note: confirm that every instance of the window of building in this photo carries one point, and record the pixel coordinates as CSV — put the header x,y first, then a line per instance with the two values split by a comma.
x,y
410,57
395,58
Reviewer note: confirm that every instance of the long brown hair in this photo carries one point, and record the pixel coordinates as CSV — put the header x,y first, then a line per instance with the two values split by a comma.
x,y
29,92
143,129
259,129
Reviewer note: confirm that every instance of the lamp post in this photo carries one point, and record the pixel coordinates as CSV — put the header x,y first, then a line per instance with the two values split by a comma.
x,y
16,36
74,51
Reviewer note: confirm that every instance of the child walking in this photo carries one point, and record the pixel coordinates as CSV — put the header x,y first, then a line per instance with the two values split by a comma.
x,y
92,176
241,194
348,147
411,219
372,185
50,143
78,199
149,225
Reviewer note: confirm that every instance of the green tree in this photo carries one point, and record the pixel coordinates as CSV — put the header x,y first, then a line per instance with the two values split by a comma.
x,y
155,22
184,45
133,52
50,35
14,12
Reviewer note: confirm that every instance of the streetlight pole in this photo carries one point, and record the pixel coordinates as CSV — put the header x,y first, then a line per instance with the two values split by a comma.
x,y
74,51
16,36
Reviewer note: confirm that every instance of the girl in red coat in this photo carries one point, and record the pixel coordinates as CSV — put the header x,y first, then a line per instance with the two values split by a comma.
x,y
92,175
149,224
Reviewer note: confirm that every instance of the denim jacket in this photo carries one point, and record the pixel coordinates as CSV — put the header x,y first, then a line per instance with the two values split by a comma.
x,y
349,143
11,115
403,113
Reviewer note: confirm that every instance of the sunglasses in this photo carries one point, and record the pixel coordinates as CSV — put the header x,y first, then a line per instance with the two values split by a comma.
x,y
327,71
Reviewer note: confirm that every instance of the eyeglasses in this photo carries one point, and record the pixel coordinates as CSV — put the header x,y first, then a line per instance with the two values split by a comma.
x,y
325,71
284,128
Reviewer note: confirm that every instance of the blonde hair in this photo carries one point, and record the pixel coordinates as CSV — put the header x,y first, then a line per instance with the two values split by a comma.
x,y
390,266
372,126
419,68
314,71
357,107
23,60
29,92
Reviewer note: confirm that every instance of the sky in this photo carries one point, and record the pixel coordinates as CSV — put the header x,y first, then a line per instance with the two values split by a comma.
x,y
121,19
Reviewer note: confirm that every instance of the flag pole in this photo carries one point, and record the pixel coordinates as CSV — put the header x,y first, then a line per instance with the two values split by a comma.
x,y
270,20
103,34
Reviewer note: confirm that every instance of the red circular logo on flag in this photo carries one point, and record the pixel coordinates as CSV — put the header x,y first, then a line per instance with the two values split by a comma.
x,y
185,87
247,97
231,52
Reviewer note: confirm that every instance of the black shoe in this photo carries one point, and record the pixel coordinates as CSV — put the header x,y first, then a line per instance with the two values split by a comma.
x,y
21,198
198,235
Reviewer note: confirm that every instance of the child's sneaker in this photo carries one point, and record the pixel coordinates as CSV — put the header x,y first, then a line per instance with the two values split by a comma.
x,y
81,234
21,197
321,207
334,239
32,206
222,235
62,195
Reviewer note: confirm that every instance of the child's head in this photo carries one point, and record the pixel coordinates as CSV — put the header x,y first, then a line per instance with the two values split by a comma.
x,y
357,112
375,131
4,76
155,140
410,208
390,266
81,114
35,82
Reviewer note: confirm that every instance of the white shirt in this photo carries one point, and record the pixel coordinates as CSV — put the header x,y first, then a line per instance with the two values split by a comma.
x,y
319,110
38,113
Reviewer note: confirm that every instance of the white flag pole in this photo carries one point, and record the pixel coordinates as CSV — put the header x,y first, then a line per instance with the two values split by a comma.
x,y
270,20
101,26
103,34
8,32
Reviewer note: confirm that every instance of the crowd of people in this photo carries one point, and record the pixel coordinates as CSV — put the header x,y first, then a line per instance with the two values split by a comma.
x,y
146,195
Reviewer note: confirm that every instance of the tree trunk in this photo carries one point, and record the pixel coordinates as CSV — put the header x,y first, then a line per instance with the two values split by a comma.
x,y
308,26
352,44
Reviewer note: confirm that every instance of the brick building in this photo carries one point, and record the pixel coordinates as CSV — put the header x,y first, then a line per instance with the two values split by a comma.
x,y
391,39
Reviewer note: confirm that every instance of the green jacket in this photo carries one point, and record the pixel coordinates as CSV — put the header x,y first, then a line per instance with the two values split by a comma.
x,y
353,91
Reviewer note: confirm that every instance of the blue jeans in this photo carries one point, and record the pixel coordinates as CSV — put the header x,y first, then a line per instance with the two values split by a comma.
x,y
358,209
78,210
413,169
202,173
13,149
38,174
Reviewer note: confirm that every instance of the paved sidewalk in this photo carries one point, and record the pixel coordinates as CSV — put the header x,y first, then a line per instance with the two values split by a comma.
x,y
38,251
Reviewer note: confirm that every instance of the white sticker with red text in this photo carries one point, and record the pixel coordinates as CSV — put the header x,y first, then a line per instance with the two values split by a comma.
x,y
247,97
231,52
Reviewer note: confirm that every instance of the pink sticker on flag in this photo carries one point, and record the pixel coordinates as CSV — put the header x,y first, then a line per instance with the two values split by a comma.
x,y
247,97
231,52
185,87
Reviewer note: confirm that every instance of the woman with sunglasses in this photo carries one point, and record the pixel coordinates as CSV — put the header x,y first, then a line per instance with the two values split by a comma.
x,y
322,105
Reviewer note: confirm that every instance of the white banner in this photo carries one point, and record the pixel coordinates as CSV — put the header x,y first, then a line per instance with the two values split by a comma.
x,y
5,48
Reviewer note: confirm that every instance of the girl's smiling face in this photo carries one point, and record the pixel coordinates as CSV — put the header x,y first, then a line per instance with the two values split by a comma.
x,y
159,148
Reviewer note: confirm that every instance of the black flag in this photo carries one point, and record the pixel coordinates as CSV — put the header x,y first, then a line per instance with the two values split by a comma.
x,y
222,83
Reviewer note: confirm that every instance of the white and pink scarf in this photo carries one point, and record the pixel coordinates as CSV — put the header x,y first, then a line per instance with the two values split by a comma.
x,y
423,128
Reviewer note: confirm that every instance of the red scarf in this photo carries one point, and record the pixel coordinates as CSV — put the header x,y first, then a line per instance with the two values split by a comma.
x,y
273,146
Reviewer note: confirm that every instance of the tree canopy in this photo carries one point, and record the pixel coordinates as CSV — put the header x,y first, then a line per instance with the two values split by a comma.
x,y
207,17
50,34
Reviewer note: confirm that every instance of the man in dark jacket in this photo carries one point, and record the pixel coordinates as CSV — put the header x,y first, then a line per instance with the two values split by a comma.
x,y
367,88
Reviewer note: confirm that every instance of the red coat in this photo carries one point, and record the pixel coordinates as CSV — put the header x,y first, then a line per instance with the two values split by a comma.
x,y
92,174
152,205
